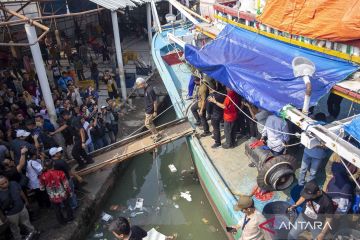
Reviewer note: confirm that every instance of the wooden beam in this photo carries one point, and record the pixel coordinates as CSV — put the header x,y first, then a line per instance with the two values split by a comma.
x,y
21,8
137,145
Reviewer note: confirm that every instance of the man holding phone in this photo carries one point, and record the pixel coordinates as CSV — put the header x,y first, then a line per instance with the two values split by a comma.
x,y
250,225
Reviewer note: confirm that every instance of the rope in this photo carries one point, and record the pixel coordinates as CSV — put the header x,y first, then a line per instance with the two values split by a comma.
x,y
275,130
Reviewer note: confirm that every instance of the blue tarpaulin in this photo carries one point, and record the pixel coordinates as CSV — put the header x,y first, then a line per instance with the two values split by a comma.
x,y
353,128
259,68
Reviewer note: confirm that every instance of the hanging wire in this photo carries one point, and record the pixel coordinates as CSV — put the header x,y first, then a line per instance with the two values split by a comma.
x,y
275,130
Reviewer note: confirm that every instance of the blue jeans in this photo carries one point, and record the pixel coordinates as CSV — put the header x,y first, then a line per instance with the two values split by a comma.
x,y
296,231
191,86
95,77
308,163
73,198
90,148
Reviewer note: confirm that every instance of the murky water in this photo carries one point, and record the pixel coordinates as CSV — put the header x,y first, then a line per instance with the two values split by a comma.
x,y
150,178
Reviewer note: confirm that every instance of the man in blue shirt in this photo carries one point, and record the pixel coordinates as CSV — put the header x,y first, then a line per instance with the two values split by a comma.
x,y
63,81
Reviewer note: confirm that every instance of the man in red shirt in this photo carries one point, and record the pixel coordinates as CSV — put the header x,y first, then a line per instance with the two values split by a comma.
x,y
230,116
58,189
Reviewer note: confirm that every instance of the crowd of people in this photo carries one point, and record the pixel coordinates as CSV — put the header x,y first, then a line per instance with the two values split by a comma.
x,y
35,153
228,110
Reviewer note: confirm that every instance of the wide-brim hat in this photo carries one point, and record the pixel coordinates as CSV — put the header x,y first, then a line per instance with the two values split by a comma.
x,y
243,203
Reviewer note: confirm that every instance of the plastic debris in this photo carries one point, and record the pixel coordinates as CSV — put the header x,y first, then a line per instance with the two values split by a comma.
x,y
212,228
115,208
176,205
186,195
98,235
172,168
204,220
154,235
134,214
139,203
106,217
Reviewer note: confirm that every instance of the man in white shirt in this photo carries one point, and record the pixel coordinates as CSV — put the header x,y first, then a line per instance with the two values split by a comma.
x,y
250,225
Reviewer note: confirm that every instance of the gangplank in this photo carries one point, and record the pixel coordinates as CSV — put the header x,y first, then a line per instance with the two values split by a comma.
x,y
137,144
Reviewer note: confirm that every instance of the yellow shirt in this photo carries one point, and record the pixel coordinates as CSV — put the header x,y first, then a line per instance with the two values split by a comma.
x,y
202,95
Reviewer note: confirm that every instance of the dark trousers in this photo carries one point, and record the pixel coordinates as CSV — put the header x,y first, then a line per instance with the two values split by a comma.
x,y
42,198
333,104
198,118
230,133
80,74
80,154
215,123
59,207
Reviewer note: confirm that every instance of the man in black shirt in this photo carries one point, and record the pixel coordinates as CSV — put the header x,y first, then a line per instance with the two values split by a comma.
x,y
216,114
317,212
79,137
12,203
150,107
121,229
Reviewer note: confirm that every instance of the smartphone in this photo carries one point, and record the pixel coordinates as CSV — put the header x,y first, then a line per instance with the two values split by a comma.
x,y
231,229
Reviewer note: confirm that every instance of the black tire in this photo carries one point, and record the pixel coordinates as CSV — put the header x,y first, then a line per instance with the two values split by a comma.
x,y
277,173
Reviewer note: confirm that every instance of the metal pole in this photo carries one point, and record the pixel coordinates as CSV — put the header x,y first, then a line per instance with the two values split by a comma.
x,y
114,19
170,8
67,7
41,72
148,14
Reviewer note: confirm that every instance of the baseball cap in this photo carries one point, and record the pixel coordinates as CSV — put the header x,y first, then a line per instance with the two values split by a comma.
x,y
22,133
55,150
244,202
103,106
310,190
140,80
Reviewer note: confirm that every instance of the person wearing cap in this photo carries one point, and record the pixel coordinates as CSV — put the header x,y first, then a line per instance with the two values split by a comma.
x,y
318,207
18,143
250,225
151,107
121,229
58,189
56,154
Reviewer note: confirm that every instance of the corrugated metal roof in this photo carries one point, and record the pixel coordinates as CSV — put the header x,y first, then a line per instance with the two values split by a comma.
x,y
114,5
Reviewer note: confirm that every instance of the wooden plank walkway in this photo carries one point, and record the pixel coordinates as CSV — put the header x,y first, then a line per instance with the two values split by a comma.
x,y
137,144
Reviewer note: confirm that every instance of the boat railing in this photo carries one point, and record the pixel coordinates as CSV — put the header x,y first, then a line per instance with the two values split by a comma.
x,y
224,12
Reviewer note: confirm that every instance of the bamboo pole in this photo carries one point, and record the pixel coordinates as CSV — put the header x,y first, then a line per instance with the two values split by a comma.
x,y
16,22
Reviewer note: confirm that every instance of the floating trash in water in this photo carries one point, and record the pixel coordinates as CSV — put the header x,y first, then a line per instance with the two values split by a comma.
x,y
139,203
134,214
97,226
98,235
154,235
106,217
204,220
135,188
176,205
186,195
172,168
115,207
212,228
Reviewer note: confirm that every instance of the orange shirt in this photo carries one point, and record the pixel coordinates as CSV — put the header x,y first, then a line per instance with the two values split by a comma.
x,y
230,111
